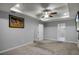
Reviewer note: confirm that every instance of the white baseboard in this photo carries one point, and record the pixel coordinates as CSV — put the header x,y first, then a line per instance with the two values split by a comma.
x,y
15,47
71,42
63,41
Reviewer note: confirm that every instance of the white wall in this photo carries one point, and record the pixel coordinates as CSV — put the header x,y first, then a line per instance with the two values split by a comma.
x,y
50,30
12,37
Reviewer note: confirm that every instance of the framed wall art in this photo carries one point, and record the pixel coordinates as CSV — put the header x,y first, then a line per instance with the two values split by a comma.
x,y
16,22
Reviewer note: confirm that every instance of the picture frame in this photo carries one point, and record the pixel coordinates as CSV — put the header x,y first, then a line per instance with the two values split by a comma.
x,y
16,22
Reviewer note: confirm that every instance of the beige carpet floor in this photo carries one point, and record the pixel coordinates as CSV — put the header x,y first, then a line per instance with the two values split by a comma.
x,y
46,47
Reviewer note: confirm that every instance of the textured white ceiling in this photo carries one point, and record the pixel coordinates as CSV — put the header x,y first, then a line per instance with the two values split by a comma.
x,y
35,9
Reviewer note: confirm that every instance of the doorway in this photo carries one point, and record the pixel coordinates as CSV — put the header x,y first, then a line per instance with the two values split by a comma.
x,y
61,31
40,32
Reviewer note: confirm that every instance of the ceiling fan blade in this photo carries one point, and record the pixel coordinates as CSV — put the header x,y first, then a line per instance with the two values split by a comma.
x,y
50,15
53,13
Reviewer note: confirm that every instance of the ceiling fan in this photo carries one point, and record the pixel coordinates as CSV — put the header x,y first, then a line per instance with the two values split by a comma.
x,y
47,13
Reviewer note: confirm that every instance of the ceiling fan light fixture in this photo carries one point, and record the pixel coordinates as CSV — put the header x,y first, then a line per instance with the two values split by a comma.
x,y
44,19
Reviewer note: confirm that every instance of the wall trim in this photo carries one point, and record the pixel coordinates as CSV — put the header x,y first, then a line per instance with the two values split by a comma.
x,y
64,41
6,50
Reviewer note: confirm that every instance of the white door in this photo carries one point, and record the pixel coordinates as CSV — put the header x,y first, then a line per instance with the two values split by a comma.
x,y
40,31
61,32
